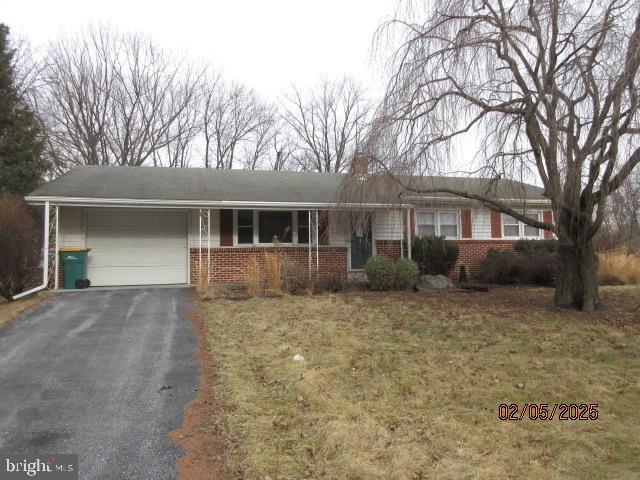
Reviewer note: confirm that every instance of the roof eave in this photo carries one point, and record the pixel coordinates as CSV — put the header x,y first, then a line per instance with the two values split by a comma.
x,y
161,203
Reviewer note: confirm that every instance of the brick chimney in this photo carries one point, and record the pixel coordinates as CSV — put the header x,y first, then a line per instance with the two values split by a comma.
x,y
360,164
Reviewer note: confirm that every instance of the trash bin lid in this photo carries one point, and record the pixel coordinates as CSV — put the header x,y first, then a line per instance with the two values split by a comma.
x,y
74,249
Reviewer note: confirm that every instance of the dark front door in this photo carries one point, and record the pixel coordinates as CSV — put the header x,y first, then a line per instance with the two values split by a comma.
x,y
361,247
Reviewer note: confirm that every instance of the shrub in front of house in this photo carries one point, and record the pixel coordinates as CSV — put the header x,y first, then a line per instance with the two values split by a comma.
x,y
507,267
329,283
292,278
434,255
20,244
406,274
380,273
385,274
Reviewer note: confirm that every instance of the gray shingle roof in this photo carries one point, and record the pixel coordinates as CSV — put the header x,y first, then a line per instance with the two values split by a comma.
x,y
209,185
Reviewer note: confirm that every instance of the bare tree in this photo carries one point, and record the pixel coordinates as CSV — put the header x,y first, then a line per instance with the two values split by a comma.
x,y
622,221
283,147
25,66
114,99
549,87
232,116
258,142
329,122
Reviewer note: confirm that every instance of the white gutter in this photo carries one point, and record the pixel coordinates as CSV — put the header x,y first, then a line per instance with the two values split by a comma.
x,y
160,203
459,199
45,267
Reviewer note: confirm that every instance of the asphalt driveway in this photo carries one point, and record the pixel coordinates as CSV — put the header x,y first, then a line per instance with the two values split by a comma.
x,y
84,373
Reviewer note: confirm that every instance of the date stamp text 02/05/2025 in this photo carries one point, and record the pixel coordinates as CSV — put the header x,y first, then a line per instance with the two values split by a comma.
x,y
548,411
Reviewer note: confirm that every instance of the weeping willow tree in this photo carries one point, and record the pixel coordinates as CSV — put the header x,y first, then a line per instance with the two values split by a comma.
x,y
547,89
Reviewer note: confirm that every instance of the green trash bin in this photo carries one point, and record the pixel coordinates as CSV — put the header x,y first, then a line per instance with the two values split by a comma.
x,y
74,264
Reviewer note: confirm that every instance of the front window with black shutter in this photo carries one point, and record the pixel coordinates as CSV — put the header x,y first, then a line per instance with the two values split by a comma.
x,y
245,227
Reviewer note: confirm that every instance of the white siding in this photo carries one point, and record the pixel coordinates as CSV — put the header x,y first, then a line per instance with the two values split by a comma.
x,y
194,228
387,225
70,224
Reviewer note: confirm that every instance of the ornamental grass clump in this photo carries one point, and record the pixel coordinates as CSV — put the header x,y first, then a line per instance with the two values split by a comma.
x,y
253,277
272,270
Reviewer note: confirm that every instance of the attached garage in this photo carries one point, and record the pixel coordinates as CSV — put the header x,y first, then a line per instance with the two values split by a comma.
x,y
136,247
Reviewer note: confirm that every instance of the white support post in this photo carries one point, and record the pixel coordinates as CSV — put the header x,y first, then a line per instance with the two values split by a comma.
x,y
317,243
409,233
402,235
309,241
200,246
57,259
208,245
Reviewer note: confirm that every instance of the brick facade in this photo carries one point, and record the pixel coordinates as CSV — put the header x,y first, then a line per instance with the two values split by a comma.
x,y
389,248
473,251
229,265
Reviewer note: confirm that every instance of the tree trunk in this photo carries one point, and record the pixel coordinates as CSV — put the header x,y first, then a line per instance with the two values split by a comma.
x,y
576,278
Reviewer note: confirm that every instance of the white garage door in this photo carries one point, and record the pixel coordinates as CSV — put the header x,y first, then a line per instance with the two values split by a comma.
x,y
136,247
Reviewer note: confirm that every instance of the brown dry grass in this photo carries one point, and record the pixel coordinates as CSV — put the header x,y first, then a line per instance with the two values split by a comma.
x,y
254,278
11,310
407,386
272,269
620,265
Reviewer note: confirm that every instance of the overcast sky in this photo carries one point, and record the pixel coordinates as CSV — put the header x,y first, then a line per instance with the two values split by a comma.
x,y
268,44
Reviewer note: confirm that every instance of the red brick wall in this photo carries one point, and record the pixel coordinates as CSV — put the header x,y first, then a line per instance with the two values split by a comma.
x,y
389,248
229,265
473,251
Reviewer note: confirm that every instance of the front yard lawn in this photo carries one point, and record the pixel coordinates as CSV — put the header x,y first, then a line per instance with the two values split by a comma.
x,y
407,386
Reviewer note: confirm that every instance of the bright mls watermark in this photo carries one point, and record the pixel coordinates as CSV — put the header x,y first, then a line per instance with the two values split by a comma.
x,y
46,467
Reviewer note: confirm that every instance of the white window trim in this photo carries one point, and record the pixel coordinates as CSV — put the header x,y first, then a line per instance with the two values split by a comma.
x,y
256,233
436,216
521,226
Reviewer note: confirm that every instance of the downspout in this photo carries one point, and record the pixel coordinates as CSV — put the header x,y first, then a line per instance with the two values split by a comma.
x,y
45,266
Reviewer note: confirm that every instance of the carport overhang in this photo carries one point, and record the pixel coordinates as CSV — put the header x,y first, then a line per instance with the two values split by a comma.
x,y
161,203
55,202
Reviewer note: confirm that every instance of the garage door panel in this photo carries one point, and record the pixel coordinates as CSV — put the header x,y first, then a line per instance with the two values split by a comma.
x,y
126,219
173,256
100,238
136,247
174,237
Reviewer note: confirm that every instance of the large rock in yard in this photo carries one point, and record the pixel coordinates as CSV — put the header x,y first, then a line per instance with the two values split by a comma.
x,y
435,281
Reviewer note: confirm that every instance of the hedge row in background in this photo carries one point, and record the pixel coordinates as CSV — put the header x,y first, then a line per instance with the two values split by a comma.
x,y
535,266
